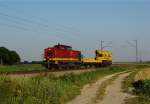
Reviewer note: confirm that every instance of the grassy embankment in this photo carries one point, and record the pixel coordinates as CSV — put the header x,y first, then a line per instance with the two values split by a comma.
x,y
21,67
48,89
138,84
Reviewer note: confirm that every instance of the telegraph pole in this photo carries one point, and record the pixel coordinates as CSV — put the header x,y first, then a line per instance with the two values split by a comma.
x,y
140,57
105,45
136,46
101,45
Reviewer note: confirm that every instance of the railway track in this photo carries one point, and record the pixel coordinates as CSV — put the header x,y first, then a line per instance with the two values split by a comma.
x,y
45,72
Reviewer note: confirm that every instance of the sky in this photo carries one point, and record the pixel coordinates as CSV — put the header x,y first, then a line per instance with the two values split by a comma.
x,y
29,26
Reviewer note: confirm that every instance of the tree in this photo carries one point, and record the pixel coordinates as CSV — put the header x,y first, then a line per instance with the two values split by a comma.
x,y
15,57
5,55
8,57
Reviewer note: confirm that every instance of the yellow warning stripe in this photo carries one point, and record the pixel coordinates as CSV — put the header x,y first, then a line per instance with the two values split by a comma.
x,y
63,59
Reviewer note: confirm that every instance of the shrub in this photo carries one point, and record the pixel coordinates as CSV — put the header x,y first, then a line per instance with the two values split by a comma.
x,y
142,87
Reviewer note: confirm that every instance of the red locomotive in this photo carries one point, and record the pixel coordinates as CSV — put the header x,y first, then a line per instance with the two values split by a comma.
x,y
61,56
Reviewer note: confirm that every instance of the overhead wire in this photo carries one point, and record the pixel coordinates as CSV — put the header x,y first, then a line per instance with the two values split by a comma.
x,y
28,21
41,24
21,23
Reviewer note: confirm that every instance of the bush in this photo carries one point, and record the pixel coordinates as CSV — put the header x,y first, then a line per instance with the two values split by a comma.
x,y
142,87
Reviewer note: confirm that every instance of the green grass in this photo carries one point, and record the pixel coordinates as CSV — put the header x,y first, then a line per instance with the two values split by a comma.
x,y
140,90
127,83
31,67
21,67
48,89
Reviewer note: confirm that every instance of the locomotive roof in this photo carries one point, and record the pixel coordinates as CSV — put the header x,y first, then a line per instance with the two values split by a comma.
x,y
64,46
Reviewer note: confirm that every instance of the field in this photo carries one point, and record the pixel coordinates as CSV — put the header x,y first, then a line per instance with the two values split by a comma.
x,y
39,67
48,89
143,75
21,67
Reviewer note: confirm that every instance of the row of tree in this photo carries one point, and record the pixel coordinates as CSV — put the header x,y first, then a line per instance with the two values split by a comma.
x,y
8,56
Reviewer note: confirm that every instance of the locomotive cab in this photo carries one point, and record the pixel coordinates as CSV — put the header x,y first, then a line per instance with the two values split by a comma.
x,y
61,56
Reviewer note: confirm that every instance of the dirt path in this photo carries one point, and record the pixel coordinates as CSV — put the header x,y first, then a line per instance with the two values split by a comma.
x,y
114,95
113,92
88,93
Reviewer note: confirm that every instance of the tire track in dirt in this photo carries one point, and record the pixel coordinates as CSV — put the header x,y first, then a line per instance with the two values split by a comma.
x,y
89,92
114,94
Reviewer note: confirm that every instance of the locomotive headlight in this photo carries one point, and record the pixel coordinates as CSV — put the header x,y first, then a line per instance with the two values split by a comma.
x,y
44,59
